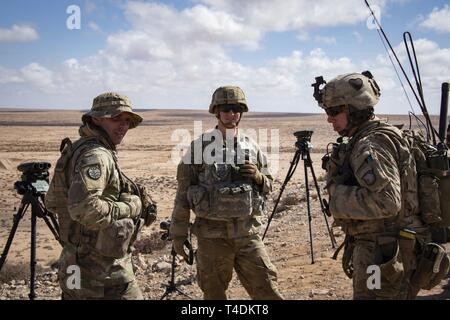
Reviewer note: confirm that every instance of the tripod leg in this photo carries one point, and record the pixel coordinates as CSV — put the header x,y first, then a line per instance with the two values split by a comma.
x,y
330,233
309,211
53,222
171,286
291,171
17,217
52,228
32,294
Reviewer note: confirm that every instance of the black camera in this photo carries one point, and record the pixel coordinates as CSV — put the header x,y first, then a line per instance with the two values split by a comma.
x,y
165,225
34,178
303,140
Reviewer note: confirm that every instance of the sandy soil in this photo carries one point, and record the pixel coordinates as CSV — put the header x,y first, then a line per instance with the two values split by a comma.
x,y
145,155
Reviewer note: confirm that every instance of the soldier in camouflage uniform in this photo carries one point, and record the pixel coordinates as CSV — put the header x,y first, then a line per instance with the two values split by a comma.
x,y
372,184
224,179
99,209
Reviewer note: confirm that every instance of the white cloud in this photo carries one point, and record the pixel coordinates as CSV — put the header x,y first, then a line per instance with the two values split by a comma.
x,y
176,58
302,36
191,26
438,19
94,27
18,33
358,36
90,6
38,76
325,40
434,64
269,15
9,76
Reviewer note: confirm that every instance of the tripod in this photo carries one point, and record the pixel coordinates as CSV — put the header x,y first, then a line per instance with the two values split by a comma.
x,y
303,146
33,186
171,286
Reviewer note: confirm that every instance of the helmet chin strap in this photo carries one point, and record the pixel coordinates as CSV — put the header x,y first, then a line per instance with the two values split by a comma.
x,y
350,125
240,118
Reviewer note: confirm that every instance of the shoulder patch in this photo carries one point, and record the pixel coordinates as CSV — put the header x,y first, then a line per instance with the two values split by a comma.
x,y
369,178
94,172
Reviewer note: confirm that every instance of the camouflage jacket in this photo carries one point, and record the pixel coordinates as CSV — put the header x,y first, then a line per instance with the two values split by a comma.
x,y
375,181
89,214
191,172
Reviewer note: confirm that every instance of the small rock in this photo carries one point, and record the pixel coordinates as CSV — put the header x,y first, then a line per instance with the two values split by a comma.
x,y
291,199
162,266
281,207
320,292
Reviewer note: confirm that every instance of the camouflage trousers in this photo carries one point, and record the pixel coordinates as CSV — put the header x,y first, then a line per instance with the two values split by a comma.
x,y
216,259
395,269
126,291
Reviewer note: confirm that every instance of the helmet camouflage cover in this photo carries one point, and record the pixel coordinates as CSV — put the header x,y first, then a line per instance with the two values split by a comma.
x,y
355,89
110,105
228,95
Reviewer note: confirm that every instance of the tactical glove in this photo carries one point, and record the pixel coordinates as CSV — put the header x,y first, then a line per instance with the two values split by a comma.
x,y
178,246
134,204
251,171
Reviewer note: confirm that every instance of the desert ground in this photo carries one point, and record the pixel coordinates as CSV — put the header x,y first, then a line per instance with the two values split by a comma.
x,y
148,155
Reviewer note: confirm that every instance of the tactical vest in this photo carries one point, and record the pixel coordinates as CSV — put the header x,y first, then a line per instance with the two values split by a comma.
x,y
221,193
407,169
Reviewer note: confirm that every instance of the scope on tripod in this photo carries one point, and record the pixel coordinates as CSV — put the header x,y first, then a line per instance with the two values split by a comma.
x,y
34,178
33,185
303,135
303,139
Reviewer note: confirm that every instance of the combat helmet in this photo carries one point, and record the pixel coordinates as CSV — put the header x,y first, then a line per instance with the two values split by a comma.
x,y
358,90
110,105
228,95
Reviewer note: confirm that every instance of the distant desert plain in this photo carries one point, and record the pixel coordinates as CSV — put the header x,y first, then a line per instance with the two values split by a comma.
x,y
149,155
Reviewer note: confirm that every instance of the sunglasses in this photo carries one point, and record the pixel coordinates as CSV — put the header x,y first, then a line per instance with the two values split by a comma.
x,y
230,107
334,111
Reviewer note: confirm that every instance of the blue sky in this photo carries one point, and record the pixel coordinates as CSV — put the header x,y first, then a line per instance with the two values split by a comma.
x,y
173,54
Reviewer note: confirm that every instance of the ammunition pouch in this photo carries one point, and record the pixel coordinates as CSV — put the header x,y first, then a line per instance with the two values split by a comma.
x,y
114,240
432,267
225,201
391,269
198,198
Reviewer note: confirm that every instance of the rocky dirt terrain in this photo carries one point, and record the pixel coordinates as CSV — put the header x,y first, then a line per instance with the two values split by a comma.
x,y
147,155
